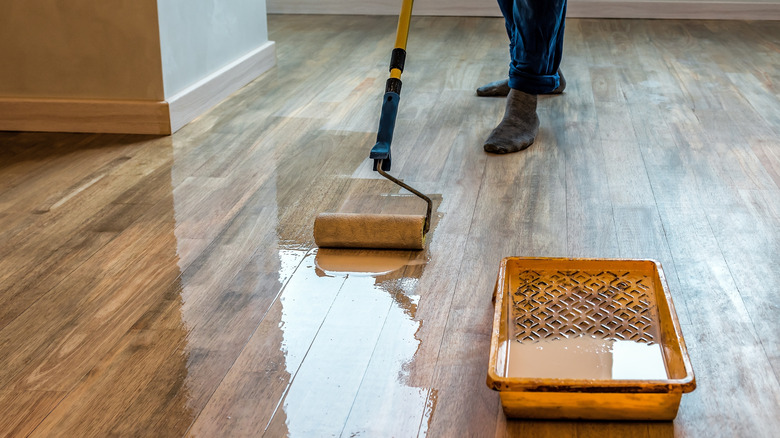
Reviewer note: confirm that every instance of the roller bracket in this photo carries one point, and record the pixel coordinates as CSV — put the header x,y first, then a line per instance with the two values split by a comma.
x,y
419,194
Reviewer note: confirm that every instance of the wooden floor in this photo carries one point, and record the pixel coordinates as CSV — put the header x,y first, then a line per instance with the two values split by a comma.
x,y
170,286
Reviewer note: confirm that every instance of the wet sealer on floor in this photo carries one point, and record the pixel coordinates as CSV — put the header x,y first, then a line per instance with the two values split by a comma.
x,y
587,339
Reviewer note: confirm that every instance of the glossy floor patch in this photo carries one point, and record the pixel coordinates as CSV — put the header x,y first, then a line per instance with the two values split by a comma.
x,y
358,338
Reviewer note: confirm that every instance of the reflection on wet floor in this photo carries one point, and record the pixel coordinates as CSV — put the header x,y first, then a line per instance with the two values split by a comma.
x,y
349,336
340,262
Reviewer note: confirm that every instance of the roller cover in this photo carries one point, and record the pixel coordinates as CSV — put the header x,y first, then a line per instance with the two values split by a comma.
x,y
386,231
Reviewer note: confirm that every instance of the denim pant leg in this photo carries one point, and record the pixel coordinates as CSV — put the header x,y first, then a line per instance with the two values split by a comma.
x,y
535,29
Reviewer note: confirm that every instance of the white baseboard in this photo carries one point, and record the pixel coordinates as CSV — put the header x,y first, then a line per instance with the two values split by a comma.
x,y
200,97
576,9
84,115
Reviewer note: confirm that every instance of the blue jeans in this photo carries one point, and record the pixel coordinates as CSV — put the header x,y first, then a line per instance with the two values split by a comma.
x,y
535,29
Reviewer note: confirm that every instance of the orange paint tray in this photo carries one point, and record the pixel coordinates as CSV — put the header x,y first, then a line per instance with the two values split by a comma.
x,y
587,339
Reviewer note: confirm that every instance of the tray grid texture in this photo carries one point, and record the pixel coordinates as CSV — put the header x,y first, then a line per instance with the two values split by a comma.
x,y
555,304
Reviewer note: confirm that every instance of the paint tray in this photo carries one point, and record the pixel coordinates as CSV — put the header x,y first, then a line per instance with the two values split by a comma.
x,y
587,339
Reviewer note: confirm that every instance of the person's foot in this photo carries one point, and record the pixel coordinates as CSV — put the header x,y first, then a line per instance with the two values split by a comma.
x,y
561,85
519,126
494,89
501,88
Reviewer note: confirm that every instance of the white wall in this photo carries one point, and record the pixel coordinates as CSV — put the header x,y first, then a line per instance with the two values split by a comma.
x,y
198,37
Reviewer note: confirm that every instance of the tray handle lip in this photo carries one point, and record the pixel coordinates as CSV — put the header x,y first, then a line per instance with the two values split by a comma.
x,y
494,380
500,383
688,382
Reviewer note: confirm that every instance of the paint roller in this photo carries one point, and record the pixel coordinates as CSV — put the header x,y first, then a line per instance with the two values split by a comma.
x,y
385,231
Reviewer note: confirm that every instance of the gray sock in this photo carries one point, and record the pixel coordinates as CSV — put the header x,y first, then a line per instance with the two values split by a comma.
x,y
494,89
501,88
519,126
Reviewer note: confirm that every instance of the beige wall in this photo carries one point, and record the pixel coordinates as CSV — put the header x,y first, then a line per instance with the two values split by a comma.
x,y
80,48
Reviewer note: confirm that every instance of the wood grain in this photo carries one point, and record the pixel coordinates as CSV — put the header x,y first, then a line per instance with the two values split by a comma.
x,y
170,286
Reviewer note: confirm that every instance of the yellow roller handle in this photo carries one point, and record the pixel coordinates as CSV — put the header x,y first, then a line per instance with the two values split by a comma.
x,y
402,34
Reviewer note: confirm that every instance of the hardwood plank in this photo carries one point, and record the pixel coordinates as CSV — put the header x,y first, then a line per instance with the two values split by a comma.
x,y
73,208
44,273
748,241
589,207
61,325
20,148
98,404
769,157
63,168
21,291
22,411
